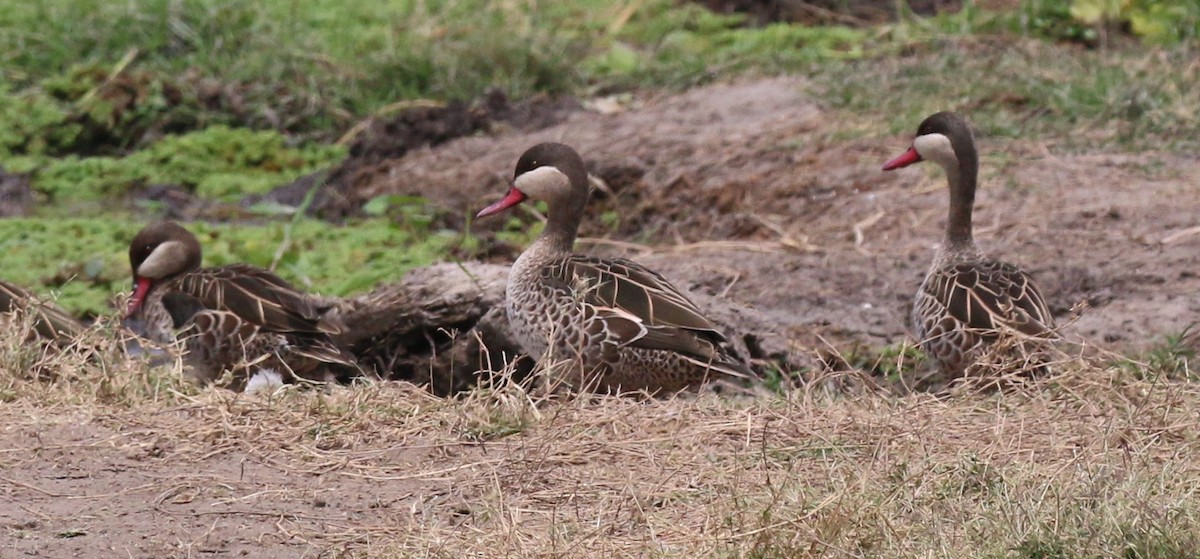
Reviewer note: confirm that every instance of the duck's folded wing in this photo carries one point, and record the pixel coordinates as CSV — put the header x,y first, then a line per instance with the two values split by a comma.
x,y
989,296
631,287
644,310
257,296
622,329
50,321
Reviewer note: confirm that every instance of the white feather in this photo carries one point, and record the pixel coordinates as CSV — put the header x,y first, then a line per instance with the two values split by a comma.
x,y
543,183
264,379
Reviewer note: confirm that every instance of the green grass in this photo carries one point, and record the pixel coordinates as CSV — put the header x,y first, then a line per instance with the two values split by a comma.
x,y
133,70
100,75
1019,88
99,97
85,261
1174,357
313,59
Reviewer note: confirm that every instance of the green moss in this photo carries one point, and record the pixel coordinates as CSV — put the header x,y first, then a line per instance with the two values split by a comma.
x,y
34,124
85,262
80,179
218,162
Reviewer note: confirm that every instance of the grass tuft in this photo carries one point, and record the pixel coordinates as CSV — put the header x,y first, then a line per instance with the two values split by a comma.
x,y
1029,89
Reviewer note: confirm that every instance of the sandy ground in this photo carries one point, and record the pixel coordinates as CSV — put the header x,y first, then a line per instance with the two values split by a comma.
x,y
750,191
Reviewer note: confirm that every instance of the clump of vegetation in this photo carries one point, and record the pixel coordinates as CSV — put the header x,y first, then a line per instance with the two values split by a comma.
x,y
1172,358
892,363
33,124
217,163
1089,22
665,44
1157,21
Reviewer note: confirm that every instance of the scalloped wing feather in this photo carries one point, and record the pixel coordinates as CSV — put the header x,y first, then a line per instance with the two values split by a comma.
x,y
245,344
640,308
631,287
51,321
257,296
988,295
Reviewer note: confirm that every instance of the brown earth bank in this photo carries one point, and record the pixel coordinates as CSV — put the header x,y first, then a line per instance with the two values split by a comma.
x,y
751,191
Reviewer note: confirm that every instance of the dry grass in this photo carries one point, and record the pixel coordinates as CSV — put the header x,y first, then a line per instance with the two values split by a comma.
x,y
1094,462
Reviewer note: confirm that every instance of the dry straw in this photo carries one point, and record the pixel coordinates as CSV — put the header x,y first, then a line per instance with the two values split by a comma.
x,y
1096,460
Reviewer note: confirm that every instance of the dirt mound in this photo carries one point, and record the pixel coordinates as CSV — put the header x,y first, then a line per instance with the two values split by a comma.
x,y
812,234
676,166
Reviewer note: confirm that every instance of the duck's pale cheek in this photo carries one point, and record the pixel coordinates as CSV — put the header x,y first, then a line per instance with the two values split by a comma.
x,y
166,259
935,147
543,183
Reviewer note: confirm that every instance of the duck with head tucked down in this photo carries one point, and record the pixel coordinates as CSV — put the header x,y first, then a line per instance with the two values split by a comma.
x,y
968,300
236,319
600,324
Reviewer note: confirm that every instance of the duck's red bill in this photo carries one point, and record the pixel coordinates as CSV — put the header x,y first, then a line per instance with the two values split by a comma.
x,y
903,160
141,286
509,200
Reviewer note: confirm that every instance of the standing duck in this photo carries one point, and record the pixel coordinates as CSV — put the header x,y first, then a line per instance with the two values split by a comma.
x,y
237,318
607,325
49,322
967,299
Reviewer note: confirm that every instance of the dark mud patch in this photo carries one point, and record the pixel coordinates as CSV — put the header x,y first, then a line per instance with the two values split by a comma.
x,y
827,12
16,194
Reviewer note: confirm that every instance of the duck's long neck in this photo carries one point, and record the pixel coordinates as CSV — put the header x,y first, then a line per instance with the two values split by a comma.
x,y
962,178
562,226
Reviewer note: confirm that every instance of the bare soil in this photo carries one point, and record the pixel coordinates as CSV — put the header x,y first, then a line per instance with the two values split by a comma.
x,y
750,191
